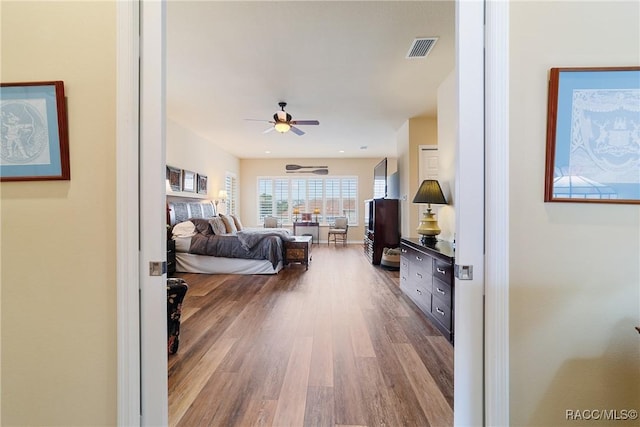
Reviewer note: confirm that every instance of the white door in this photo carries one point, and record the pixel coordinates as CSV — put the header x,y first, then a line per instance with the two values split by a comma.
x,y
429,162
469,196
153,291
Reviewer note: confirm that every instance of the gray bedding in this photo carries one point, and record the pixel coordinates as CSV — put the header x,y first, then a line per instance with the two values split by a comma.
x,y
255,244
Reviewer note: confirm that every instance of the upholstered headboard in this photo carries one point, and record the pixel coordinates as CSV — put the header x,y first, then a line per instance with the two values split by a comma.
x,y
178,211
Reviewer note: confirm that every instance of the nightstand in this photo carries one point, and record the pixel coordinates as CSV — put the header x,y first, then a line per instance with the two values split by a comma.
x,y
171,257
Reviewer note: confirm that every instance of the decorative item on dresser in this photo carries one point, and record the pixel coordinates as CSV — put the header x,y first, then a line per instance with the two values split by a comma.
x,y
426,276
381,218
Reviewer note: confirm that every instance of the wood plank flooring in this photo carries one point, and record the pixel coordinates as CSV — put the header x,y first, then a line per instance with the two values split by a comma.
x,y
337,345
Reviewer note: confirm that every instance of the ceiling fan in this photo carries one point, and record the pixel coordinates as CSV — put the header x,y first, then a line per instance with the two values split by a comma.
x,y
282,122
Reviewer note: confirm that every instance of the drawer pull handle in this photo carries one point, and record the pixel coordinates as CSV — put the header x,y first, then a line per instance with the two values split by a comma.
x,y
440,291
418,258
440,311
419,275
418,291
439,270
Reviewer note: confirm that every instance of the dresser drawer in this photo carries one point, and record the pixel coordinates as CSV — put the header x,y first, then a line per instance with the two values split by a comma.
x,y
441,312
442,290
420,296
421,266
442,270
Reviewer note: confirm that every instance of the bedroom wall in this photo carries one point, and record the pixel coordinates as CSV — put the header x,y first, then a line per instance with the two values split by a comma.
x,y
404,171
411,135
58,239
250,169
187,150
447,147
574,268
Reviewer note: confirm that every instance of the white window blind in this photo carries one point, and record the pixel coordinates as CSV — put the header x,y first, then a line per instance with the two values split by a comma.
x,y
336,196
231,187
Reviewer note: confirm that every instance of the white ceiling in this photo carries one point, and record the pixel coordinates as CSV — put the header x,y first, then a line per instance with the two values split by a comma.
x,y
342,63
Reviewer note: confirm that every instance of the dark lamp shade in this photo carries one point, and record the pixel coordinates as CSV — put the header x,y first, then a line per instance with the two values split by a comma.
x,y
430,192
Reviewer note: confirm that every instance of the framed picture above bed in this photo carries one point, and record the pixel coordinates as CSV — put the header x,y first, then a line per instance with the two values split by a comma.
x,y
174,176
188,181
202,184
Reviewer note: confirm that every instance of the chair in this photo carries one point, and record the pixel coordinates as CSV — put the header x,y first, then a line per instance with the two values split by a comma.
x,y
339,230
271,222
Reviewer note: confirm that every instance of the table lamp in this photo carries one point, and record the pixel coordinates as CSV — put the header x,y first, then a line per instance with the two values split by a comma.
x,y
296,212
429,192
316,211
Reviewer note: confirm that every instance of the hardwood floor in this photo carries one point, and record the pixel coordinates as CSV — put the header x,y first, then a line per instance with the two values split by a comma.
x,y
336,345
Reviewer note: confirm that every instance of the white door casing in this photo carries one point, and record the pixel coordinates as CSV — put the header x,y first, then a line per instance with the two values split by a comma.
x,y
152,393
469,197
153,240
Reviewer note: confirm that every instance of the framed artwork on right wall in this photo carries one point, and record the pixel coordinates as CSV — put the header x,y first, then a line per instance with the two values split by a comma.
x,y
593,135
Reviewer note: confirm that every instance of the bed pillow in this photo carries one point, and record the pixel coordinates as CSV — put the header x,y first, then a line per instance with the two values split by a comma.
x,y
229,224
202,226
236,221
217,224
184,229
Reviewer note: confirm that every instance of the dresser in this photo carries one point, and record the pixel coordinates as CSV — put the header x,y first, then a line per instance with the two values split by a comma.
x,y
426,277
382,230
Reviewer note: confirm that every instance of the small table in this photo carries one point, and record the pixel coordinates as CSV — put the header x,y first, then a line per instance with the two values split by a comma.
x,y
304,227
298,250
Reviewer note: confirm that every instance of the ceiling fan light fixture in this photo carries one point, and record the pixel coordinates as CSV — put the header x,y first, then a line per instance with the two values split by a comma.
x,y
282,127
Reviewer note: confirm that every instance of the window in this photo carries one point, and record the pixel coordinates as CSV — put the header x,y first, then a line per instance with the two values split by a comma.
x,y
331,196
231,187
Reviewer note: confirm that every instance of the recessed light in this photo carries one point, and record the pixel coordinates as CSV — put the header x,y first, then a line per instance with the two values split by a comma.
x,y
341,151
267,152
363,147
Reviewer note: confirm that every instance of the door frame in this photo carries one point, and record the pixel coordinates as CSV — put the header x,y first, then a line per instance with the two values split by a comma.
x,y
496,339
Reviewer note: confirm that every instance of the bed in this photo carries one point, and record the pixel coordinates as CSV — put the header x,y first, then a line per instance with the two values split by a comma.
x,y
203,245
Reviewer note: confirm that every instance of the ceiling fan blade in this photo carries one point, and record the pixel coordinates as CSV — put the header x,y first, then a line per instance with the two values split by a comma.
x,y
305,122
317,171
296,130
269,130
297,167
257,120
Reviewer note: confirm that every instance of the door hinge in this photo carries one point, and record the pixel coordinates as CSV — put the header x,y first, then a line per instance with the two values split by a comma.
x,y
157,268
463,272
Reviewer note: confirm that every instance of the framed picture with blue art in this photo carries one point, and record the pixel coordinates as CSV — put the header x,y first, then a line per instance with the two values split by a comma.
x,y
34,138
593,135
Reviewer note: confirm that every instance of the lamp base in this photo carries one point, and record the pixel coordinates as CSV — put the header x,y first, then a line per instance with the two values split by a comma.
x,y
428,228
428,240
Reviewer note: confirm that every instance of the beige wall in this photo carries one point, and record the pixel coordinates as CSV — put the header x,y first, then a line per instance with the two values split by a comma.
x,y
187,150
250,169
406,183
58,238
574,268
413,133
447,146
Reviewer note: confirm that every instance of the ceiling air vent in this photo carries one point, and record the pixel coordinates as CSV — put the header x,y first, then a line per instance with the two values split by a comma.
x,y
421,47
